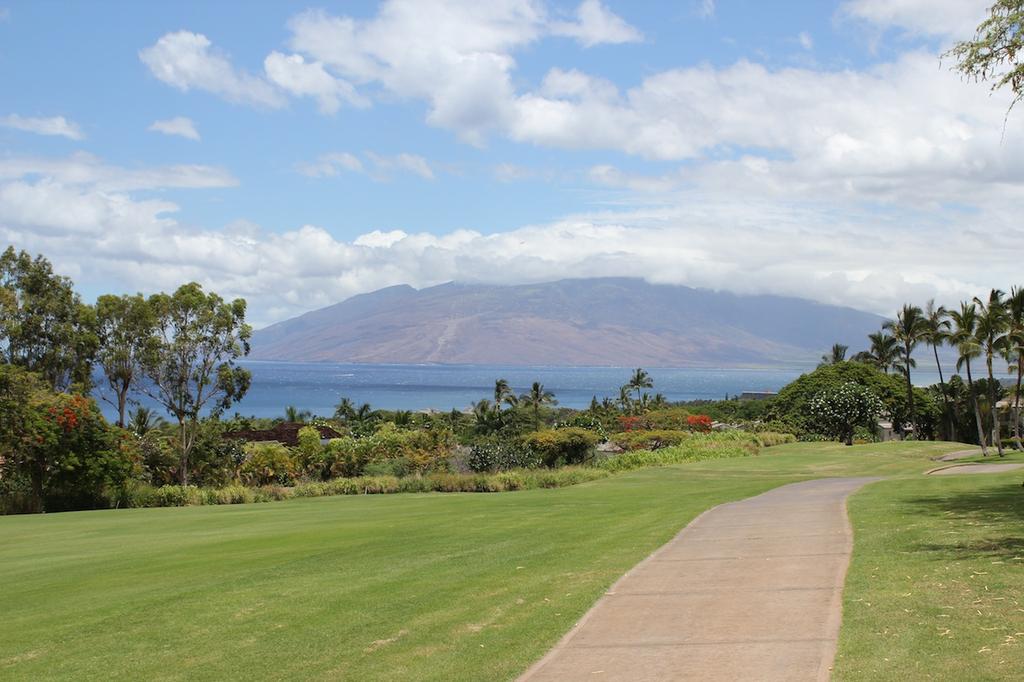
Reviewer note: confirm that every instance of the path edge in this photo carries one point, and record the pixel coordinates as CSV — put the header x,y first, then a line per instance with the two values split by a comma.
x,y
835,618
564,640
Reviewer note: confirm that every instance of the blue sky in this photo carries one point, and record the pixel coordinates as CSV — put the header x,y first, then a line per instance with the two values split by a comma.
x,y
309,153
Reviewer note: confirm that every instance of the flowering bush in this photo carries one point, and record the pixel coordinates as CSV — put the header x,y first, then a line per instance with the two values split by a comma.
x,y
837,412
699,422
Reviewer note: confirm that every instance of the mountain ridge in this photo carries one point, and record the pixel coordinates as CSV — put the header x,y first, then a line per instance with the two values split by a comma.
x,y
609,321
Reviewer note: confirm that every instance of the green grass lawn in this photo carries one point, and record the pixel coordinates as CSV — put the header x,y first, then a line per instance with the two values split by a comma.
x,y
936,586
429,586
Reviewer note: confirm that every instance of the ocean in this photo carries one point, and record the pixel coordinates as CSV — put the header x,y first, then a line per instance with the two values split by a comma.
x,y
317,387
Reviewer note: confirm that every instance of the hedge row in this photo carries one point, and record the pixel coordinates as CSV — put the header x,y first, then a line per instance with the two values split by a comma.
x,y
189,495
697,447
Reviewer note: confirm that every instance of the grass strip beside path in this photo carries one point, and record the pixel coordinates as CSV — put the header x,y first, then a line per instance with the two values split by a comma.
x,y
936,585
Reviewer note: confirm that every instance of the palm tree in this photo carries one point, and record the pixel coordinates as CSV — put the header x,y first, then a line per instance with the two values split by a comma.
x,y
993,323
640,380
537,398
294,414
345,410
503,394
908,328
965,325
936,333
884,352
1015,312
363,417
837,355
143,420
625,401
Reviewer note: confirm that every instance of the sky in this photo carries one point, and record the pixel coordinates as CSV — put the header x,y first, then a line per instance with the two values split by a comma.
x,y
296,154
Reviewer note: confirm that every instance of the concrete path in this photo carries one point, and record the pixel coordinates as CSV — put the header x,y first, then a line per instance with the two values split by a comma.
x,y
750,590
959,454
975,469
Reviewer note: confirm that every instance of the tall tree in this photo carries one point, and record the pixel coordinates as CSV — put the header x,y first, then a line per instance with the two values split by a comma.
x,y
536,399
936,334
123,327
835,356
993,324
639,381
44,326
345,410
908,328
994,54
884,352
503,394
1015,352
191,361
964,338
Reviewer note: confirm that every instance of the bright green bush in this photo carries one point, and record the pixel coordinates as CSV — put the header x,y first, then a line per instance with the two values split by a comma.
x,y
696,448
267,464
232,494
177,496
560,447
649,440
769,439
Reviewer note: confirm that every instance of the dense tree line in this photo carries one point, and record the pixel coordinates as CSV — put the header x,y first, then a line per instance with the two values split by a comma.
x,y
987,335
181,349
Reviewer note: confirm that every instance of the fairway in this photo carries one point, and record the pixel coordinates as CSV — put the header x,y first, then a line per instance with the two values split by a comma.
x,y
427,586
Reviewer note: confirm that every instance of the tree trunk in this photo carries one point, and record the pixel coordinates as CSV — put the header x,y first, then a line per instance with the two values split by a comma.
x,y
996,437
977,411
1016,400
951,433
910,393
36,476
122,401
183,462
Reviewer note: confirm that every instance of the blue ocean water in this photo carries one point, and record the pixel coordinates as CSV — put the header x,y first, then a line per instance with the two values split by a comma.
x,y
317,387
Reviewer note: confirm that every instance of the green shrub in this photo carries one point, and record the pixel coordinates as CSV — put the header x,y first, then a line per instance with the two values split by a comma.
x,y
177,496
133,494
267,464
397,467
232,494
769,439
667,419
649,440
272,493
562,446
501,456
696,448
314,489
511,480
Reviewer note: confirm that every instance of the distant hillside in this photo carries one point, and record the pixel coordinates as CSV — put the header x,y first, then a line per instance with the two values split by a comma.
x,y
606,321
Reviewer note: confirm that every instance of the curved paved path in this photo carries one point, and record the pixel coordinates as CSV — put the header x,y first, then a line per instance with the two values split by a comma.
x,y
750,590
958,469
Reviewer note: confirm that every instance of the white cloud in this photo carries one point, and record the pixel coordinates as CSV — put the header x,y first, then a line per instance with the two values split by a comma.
x,y
86,170
717,243
408,163
188,61
940,18
329,165
179,125
805,40
595,25
5,14
707,8
380,167
298,77
53,125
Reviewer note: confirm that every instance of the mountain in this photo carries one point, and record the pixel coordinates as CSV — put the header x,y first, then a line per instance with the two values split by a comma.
x,y
595,322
